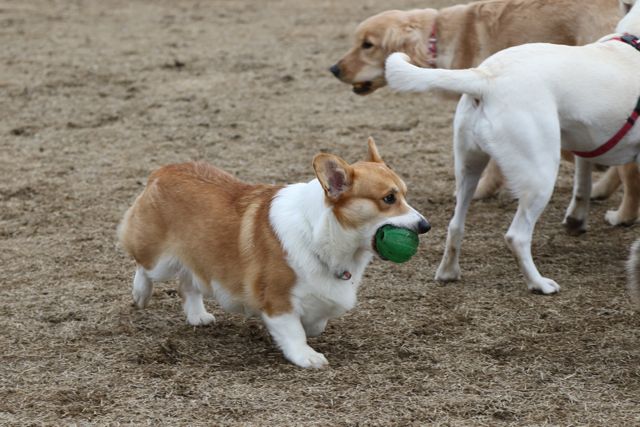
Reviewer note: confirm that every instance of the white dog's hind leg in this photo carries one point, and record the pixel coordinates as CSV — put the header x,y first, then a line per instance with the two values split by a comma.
x,y
529,156
192,301
469,164
142,288
289,335
518,239
575,219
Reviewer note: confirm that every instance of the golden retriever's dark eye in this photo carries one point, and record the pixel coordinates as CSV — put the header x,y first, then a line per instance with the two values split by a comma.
x,y
389,199
367,45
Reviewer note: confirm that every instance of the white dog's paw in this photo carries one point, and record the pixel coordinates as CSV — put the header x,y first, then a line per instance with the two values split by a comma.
x,y
198,319
448,274
615,218
308,358
574,226
544,286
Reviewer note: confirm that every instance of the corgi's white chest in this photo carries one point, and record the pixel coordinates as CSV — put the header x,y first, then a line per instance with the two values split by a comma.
x,y
328,298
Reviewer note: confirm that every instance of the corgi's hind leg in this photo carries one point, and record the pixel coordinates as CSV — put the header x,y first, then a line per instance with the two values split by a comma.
x,y
192,302
142,288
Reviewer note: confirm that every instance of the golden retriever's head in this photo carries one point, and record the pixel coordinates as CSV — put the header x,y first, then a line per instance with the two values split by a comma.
x,y
378,37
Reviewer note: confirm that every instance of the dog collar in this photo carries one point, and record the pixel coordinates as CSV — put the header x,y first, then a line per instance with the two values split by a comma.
x,y
345,275
432,46
631,40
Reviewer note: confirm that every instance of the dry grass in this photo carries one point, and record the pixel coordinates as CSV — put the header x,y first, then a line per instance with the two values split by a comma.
x,y
94,95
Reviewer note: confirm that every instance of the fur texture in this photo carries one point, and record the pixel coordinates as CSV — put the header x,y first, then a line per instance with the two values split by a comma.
x,y
524,105
293,255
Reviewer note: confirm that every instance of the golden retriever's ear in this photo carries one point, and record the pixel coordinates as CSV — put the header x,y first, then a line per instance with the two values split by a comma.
x,y
373,155
335,175
625,6
409,39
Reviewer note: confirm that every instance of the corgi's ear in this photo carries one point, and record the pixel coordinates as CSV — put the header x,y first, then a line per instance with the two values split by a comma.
x,y
372,154
335,175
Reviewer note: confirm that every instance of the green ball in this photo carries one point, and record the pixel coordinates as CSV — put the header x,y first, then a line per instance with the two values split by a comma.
x,y
396,244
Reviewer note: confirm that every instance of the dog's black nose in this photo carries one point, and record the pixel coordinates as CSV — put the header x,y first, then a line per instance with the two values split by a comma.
x,y
423,226
335,70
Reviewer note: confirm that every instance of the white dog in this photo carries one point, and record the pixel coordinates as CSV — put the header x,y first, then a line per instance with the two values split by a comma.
x,y
522,105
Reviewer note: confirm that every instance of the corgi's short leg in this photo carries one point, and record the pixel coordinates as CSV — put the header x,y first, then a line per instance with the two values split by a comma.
x,y
289,335
142,288
192,301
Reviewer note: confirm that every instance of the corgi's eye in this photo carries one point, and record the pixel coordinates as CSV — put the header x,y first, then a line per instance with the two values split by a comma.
x,y
367,44
389,199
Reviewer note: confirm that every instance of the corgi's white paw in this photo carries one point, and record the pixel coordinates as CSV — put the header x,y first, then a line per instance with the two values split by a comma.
x,y
142,289
309,358
198,319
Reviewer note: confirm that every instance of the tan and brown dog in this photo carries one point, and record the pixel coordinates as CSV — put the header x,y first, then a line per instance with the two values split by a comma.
x,y
293,255
463,36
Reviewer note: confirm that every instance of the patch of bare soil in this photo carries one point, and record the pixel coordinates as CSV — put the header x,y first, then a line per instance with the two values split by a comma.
x,y
95,95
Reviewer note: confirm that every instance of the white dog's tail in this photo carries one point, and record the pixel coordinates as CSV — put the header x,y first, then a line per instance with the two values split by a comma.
x,y
633,273
405,77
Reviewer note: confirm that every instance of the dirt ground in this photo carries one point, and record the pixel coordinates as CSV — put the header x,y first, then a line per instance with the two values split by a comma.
x,y
95,95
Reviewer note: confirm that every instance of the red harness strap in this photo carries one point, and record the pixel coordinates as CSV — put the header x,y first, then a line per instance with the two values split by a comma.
x,y
631,120
433,45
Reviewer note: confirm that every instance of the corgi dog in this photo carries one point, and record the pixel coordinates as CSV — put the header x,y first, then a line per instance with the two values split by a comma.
x,y
292,254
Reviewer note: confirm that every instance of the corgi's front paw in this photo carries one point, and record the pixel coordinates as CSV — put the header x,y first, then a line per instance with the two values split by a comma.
x,y
197,319
308,358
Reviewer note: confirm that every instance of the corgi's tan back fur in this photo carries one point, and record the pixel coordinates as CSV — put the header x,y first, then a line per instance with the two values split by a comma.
x,y
176,216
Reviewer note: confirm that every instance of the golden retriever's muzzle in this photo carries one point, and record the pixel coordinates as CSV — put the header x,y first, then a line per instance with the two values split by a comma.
x,y
360,88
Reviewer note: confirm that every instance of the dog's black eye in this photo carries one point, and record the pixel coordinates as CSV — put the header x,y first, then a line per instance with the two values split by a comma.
x,y
367,45
389,199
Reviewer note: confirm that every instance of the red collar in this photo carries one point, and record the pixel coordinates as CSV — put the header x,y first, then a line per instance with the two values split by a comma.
x,y
433,45
631,120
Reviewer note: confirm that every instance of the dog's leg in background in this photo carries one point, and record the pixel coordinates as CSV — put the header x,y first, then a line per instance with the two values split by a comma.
x,y
289,335
142,288
627,213
607,184
490,182
469,163
575,219
192,301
